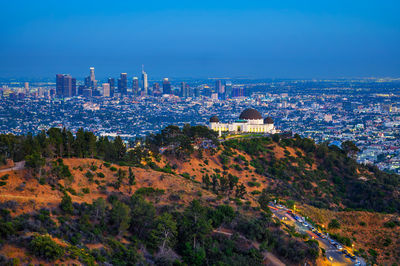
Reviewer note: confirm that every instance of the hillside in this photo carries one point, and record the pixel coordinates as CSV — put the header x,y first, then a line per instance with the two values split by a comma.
x,y
167,199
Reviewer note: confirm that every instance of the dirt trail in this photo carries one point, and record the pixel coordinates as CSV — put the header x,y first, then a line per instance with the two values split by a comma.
x,y
18,166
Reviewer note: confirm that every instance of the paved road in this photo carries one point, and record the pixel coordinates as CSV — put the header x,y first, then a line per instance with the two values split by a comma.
x,y
335,256
17,166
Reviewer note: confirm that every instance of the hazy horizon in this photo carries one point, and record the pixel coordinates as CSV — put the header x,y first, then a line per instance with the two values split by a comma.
x,y
257,39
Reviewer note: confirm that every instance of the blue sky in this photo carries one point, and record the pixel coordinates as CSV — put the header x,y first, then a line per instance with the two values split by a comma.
x,y
265,39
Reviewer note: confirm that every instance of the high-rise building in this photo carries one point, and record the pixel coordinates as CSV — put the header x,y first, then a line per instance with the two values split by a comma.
x,y
228,90
144,82
59,84
135,86
218,87
90,81
73,87
167,86
65,85
92,77
111,81
26,87
185,90
106,89
123,84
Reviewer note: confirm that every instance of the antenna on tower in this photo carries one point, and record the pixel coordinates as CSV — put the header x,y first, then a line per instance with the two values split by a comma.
x,y
142,68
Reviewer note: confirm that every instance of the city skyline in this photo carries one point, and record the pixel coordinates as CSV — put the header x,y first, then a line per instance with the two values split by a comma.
x,y
334,39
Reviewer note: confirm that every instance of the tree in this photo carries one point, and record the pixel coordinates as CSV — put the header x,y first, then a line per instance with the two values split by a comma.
x,y
334,224
206,181
131,177
99,209
240,191
35,161
165,232
66,204
233,180
214,178
45,247
142,216
350,148
194,223
223,183
119,217
263,200
120,148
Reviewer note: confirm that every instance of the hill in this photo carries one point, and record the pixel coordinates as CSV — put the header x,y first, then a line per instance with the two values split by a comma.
x,y
171,197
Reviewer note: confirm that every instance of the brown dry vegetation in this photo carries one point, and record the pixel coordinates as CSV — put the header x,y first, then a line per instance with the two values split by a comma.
x,y
31,195
372,235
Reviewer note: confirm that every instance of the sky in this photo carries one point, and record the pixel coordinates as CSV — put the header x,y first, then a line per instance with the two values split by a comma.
x,y
200,39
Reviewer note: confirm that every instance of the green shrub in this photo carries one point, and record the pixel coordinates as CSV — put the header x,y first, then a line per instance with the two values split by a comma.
x,y
45,247
93,167
85,190
112,168
253,184
100,174
2,183
5,177
334,224
107,164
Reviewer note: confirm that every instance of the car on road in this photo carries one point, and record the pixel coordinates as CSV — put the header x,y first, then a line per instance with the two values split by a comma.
x,y
339,247
306,224
345,252
358,263
352,257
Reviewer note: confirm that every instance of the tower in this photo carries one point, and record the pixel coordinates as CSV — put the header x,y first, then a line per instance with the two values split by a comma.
x,y
144,82
123,84
106,89
111,81
135,86
166,86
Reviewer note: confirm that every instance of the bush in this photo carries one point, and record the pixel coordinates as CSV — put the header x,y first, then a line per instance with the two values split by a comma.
x,y
93,167
253,184
334,224
389,224
5,177
66,204
2,183
45,247
100,174
85,190
112,168
106,164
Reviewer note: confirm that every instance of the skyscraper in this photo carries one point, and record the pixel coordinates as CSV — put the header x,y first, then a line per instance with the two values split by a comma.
x,y
90,81
144,82
135,86
166,86
111,81
59,84
106,89
123,84
26,87
65,85
218,87
228,90
92,77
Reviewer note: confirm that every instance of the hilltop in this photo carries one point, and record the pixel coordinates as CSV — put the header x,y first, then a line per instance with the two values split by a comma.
x,y
167,199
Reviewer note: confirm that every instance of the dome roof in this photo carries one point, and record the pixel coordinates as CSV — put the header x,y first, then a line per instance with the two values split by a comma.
x,y
250,114
268,120
214,119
